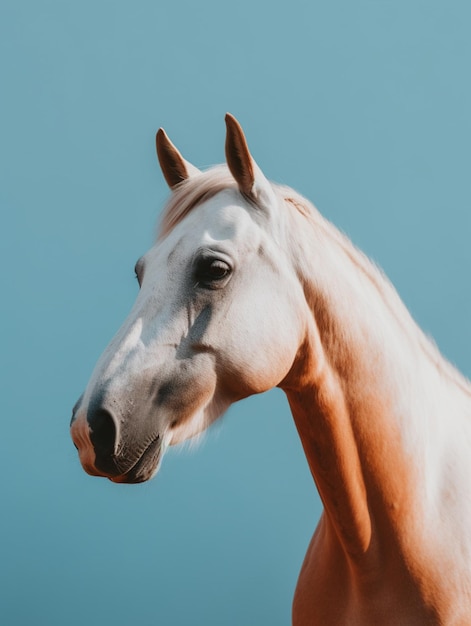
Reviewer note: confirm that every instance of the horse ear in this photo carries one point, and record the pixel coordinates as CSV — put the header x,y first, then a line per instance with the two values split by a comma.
x,y
250,178
248,175
238,157
174,167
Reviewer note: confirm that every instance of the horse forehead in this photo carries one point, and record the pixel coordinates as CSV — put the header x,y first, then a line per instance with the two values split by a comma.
x,y
226,219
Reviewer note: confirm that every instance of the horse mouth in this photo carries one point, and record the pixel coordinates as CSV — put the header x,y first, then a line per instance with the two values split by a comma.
x,y
145,467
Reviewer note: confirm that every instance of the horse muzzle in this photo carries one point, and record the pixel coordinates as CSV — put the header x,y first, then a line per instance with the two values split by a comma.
x,y
96,436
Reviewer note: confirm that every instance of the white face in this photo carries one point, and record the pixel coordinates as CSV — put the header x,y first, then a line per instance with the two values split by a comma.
x,y
215,321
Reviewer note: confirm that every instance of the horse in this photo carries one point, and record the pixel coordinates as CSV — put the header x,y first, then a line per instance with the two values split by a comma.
x,y
246,288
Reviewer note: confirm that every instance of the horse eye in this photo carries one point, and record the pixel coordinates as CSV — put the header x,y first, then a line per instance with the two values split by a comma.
x,y
211,272
218,269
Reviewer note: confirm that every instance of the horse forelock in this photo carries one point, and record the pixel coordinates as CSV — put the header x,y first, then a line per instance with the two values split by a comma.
x,y
195,190
191,192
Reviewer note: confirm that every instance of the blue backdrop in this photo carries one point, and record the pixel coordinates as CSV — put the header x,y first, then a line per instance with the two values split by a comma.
x,y
362,106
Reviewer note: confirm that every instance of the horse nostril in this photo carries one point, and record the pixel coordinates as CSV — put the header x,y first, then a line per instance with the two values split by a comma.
x,y
103,432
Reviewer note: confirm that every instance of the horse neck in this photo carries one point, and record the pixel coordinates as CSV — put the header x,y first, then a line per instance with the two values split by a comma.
x,y
366,392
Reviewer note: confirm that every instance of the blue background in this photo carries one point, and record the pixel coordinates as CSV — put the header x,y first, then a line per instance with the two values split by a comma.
x,y
362,106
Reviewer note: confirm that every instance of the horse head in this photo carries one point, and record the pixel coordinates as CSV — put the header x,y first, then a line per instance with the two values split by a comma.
x,y
217,317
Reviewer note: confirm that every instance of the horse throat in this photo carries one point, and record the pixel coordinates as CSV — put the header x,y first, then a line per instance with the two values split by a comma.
x,y
325,429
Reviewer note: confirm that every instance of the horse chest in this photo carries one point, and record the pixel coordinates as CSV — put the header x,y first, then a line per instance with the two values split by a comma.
x,y
330,592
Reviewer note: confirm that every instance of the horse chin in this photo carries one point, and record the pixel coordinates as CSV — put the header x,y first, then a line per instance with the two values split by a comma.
x,y
145,468
191,429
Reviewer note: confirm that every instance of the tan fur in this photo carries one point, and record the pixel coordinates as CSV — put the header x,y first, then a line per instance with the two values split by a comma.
x,y
372,559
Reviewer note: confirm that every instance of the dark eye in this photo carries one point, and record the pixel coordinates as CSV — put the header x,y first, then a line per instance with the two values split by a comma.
x,y
211,272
